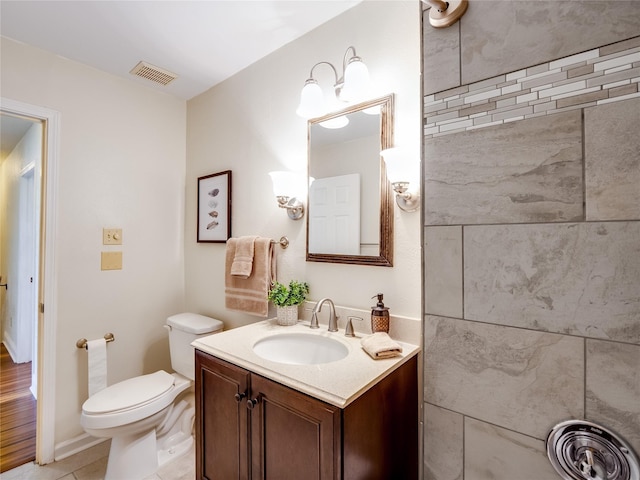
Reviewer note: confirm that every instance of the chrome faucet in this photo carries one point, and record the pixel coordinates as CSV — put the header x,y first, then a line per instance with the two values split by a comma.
x,y
333,320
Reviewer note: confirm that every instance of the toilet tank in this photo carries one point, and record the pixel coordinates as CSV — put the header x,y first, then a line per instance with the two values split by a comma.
x,y
184,328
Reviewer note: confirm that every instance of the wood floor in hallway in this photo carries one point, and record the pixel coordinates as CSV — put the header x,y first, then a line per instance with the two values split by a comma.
x,y
17,413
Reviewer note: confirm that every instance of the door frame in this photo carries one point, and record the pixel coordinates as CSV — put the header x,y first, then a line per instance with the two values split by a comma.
x,y
47,284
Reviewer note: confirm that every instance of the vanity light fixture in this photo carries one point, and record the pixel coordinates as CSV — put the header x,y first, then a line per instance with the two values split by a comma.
x,y
399,173
286,187
446,13
353,85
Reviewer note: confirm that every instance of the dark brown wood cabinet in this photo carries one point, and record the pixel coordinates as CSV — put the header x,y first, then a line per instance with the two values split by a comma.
x,y
222,444
250,427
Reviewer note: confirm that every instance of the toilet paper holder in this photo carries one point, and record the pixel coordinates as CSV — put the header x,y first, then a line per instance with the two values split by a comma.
x,y
82,343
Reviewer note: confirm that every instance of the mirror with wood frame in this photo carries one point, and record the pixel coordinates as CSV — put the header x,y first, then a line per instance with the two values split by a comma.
x,y
350,203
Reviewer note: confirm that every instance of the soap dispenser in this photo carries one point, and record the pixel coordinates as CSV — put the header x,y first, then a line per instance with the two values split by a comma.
x,y
379,316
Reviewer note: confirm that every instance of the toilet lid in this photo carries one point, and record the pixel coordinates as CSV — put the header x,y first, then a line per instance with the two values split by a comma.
x,y
129,393
194,323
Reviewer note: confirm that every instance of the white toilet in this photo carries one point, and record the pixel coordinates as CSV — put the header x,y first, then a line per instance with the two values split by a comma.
x,y
147,418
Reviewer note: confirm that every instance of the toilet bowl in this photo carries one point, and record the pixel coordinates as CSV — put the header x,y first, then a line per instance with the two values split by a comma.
x,y
150,418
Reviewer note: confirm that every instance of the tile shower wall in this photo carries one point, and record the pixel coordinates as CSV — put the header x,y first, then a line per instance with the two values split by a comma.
x,y
532,232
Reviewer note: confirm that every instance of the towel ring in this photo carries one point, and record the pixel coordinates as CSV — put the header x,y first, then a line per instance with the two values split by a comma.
x,y
82,343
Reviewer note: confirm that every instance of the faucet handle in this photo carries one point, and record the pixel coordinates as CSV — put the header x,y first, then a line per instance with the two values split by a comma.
x,y
348,331
314,318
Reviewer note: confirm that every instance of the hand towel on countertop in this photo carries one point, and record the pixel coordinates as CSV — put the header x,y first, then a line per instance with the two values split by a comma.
x,y
249,295
243,257
380,345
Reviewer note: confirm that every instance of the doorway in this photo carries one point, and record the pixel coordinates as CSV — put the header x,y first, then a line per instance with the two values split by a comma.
x,y
21,164
28,197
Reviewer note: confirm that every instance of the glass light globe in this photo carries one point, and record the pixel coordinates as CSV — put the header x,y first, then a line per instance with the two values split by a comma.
x,y
400,165
356,81
312,102
288,184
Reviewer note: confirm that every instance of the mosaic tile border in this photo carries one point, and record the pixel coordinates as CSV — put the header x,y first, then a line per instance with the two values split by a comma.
x,y
595,77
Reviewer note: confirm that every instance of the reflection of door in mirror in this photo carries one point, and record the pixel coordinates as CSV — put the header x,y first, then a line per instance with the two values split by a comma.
x,y
349,219
335,220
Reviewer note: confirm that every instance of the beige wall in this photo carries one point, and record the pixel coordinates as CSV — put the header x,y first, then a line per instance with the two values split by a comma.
x,y
121,164
532,221
248,124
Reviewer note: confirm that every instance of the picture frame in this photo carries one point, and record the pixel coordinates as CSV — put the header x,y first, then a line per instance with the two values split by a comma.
x,y
214,207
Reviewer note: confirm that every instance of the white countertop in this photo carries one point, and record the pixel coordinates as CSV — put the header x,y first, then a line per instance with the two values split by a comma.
x,y
337,383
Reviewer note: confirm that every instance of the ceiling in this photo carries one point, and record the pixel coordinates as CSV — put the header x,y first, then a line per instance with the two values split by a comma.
x,y
202,42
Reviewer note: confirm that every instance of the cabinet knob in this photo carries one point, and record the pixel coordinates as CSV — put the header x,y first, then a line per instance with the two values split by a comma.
x,y
239,396
252,402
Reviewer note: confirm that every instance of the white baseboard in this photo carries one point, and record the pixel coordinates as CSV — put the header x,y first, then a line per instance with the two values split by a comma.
x,y
78,444
10,346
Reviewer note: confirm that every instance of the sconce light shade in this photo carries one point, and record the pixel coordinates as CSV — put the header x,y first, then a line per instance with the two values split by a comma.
x,y
400,174
312,102
287,186
356,81
394,162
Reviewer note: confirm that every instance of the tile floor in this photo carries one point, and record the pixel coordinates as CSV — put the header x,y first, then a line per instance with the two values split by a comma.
x,y
91,464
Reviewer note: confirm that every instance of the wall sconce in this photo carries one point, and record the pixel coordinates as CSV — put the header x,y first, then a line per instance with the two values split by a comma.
x,y
446,13
353,85
287,186
399,173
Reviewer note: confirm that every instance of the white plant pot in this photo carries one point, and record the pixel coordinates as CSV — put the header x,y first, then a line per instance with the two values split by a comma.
x,y
287,315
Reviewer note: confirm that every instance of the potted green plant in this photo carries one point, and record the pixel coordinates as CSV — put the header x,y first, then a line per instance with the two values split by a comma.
x,y
286,299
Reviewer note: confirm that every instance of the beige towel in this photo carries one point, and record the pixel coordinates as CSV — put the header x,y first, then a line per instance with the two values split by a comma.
x,y
249,295
380,345
243,258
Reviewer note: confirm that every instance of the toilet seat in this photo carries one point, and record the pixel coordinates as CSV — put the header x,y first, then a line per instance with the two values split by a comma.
x,y
129,401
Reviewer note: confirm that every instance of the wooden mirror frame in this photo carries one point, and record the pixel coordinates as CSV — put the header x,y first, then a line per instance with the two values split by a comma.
x,y
385,256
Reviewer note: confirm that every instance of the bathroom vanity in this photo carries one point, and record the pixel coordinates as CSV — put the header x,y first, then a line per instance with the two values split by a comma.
x,y
355,418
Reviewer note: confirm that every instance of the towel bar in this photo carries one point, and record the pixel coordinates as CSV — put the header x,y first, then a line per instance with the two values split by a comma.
x,y
82,343
284,242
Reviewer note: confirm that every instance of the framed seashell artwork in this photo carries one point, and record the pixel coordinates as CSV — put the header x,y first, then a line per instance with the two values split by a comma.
x,y
214,207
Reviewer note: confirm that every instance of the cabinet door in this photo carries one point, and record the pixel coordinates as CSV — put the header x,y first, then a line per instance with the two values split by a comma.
x,y
222,435
293,436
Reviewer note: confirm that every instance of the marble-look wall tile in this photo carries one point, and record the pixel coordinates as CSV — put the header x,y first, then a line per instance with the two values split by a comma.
x,y
518,379
443,444
527,171
441,50
493,453
443,271
612,161
580,279
504,36
613,388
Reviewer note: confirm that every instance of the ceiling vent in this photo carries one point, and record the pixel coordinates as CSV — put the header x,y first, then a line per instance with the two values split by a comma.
x,y
153,73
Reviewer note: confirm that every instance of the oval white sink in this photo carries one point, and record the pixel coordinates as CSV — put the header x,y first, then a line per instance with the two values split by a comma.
x,y
300,349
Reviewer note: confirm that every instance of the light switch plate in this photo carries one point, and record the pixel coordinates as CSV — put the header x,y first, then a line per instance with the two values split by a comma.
x,y
112,236
111,260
